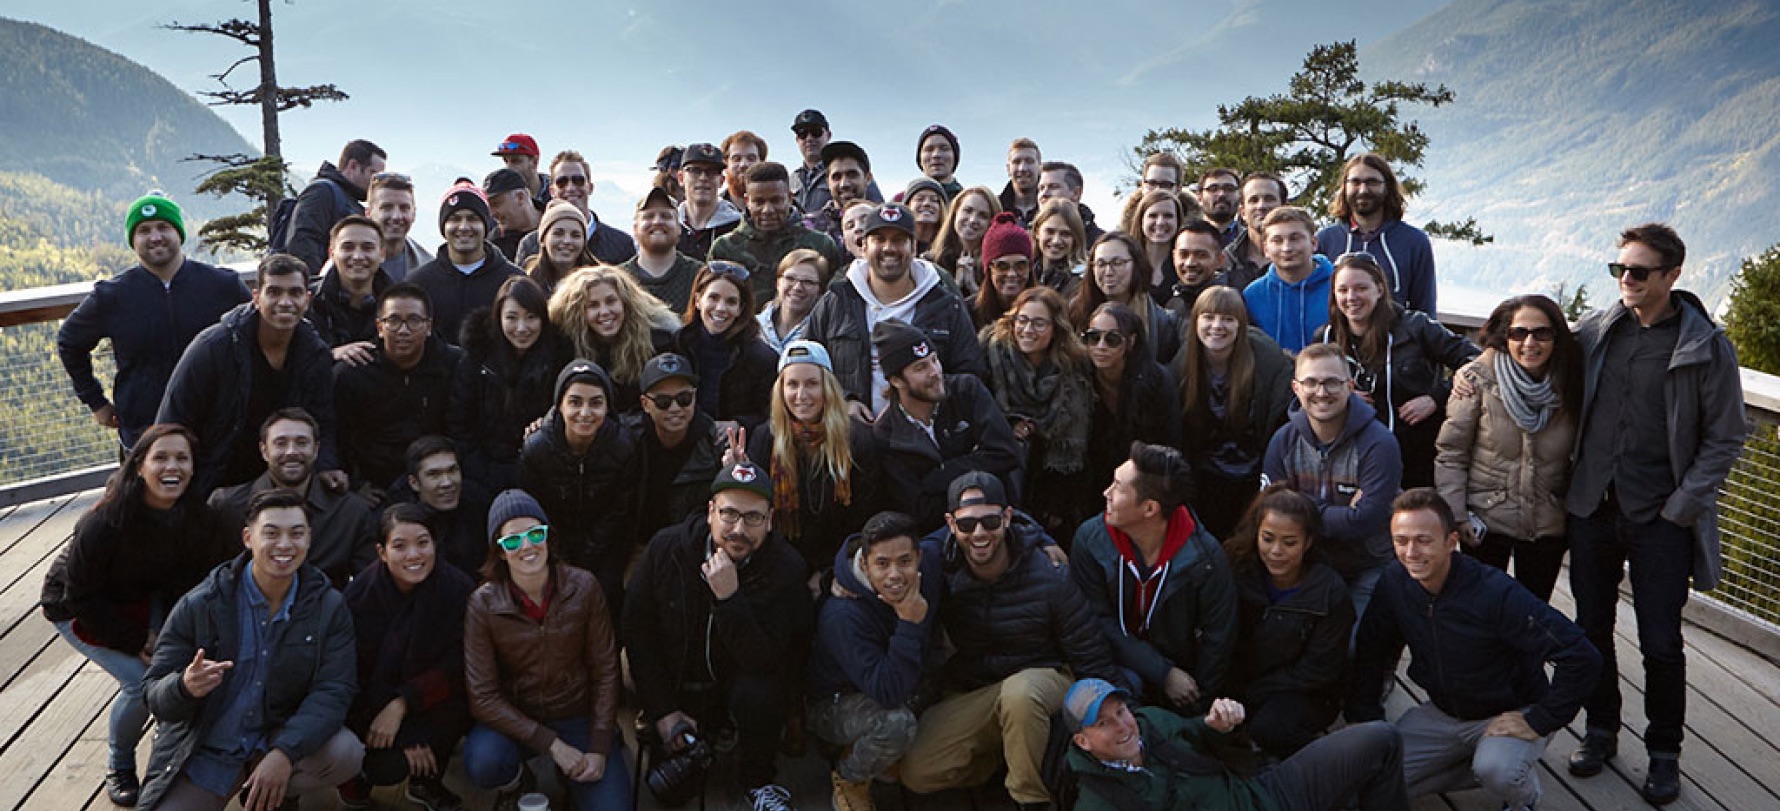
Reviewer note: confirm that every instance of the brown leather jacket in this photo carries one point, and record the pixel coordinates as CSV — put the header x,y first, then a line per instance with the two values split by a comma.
x,y
521,673
1486,464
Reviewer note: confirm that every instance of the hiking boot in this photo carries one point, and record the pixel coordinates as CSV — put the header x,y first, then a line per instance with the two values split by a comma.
x,y
431,794
1592,755
851,796
1663,784
122,787
770,798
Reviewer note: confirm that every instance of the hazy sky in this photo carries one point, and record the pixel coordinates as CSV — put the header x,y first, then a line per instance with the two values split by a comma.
x,y
439,84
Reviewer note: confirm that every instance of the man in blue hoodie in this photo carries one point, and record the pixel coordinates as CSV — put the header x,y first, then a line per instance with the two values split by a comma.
x,y
872,651
1290,302
1368,214
1335,451
1479,643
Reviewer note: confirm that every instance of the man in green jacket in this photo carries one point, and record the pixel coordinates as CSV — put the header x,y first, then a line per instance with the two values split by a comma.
x,y
770,231
1126,759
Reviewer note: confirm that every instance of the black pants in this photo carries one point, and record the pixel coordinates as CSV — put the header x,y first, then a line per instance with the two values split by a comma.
x,y
757,704
388,767
1364,760
1284,723
1536,562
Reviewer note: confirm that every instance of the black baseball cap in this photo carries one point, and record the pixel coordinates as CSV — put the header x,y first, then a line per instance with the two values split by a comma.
x,y
501,181
702,153
890,215
993,492
809,120
665,366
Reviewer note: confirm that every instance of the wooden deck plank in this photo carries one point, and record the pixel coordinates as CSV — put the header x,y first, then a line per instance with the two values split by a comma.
x,y
75,779
27,760
37,685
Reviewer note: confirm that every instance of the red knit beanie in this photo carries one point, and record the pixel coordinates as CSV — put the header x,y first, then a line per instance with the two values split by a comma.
x,y
1005,237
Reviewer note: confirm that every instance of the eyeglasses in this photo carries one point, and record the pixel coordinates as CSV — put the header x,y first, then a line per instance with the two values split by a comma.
x,y
966,526
1357,258
1637,273
1160,185
1110,337
535,536
701,170
1010,265
802,134
731,515
1112,264
512,146
729,269
410,323
796,282
1031,322
1219,188
1327,385
1543,335
569,180
667,401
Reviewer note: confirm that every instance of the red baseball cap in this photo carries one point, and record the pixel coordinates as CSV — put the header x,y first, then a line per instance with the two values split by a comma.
x,y
517,144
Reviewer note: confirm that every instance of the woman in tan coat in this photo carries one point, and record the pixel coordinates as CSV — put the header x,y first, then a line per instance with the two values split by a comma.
x,y
1503,455
541,667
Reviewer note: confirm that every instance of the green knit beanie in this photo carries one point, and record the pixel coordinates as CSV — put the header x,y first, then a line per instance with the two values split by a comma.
x,y
153,206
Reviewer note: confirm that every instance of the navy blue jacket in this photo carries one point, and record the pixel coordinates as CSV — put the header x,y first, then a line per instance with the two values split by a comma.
x,y
1402,250
211,385
150,325
1363,459
1479,648
861,645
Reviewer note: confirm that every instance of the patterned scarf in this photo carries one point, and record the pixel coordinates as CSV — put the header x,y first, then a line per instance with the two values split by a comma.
x,y
1530,402
808,440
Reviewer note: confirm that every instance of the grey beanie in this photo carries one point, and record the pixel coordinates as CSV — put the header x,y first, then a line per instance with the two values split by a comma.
x,y
511,504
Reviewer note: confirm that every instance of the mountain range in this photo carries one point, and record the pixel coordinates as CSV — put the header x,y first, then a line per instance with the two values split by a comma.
x,y
1577,118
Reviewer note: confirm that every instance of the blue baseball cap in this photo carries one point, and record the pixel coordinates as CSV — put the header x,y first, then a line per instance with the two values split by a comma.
x,y
1081,705
809,352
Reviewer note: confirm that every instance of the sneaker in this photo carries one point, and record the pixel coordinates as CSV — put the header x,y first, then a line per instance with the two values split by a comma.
x,y
770,798
431,794
122,787
355,794
851,796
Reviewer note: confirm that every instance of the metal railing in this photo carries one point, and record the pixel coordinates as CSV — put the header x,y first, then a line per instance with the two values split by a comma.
x,y
54,447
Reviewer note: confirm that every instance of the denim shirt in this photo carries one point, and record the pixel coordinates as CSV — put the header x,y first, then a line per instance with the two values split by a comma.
x,y
240,732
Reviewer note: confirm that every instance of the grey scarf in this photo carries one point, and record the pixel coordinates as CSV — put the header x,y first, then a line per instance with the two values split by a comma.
x,y
1530,402
1058,402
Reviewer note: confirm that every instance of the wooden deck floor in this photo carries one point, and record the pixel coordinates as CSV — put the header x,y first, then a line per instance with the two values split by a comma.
x,y
53,715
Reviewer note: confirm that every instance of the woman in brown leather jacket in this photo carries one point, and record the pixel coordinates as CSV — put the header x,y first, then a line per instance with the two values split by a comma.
x,y
541,666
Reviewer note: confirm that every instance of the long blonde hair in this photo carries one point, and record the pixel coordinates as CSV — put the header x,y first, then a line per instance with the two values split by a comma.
x,y
624,356
835,456
947,245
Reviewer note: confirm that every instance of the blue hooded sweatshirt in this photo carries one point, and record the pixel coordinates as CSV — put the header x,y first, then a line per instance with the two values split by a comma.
x,y
862,647
1291,313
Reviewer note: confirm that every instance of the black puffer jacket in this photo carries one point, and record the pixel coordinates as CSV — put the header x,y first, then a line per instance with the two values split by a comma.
x,y
1298,645
210,388
497,394
383,408
677,633
325,201
690,487
1032,617
590,497
332,312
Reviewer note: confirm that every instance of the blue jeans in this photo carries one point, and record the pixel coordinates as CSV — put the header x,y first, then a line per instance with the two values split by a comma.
x,y
129,714
1661,558
493,760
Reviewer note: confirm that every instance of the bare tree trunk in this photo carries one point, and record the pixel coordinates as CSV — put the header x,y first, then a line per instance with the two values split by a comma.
x,y
274,145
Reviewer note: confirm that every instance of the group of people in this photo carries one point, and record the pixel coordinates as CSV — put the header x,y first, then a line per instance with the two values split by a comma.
x,y
943,482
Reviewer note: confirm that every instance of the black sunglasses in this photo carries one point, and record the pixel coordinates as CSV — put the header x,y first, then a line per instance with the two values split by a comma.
x,y
1543,335
989,522
667,401
1111,337
1637,273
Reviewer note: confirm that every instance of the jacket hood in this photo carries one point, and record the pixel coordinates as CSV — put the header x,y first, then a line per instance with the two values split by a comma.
x,y
1322,272
847,573
1359,414
1694,346
925,274
329,171
727,214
